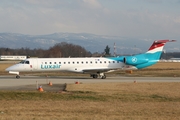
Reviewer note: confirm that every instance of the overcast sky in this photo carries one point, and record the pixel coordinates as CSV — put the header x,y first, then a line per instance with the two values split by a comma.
x,y
151,19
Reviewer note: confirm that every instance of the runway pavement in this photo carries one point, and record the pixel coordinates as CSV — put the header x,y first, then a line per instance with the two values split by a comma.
x,y
30,82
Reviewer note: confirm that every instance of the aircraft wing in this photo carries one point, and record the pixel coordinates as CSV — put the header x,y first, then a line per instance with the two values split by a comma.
x,y
101,70
98,70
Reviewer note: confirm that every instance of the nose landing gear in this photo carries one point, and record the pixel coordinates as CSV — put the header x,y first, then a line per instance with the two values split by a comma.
x,y
17,76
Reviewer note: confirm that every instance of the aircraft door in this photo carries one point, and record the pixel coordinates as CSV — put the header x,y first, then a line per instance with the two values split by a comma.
x,y
33,64
25,65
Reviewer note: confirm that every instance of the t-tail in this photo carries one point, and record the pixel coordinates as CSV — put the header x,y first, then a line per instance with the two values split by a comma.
x,y
149,58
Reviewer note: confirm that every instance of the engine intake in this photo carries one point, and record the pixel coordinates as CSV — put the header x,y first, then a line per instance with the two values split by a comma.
x,y
135,60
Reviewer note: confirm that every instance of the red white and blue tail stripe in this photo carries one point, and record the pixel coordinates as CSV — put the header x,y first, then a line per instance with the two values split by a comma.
x,y
158,45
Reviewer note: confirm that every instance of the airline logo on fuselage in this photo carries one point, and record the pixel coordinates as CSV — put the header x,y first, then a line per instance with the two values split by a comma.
x,y
134,59
56,66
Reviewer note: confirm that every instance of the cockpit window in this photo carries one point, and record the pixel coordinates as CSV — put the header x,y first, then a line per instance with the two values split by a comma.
x,y
26,62
22,62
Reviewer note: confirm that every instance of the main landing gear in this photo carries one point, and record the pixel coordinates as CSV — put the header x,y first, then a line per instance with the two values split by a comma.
x,y
100,75
17,76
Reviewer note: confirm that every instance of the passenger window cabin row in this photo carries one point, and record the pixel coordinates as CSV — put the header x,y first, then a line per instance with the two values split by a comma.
x,y
82,62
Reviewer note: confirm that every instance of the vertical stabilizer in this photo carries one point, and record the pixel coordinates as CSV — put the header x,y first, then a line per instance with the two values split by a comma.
x,y
156,49
158,45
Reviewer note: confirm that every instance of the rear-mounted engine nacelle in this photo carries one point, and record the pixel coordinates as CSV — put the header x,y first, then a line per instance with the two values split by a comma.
x,y
135,60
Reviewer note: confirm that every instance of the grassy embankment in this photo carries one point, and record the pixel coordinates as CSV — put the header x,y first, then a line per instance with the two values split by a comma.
x,y
106,101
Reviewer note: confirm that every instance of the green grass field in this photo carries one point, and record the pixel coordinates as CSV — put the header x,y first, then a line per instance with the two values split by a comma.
x,y
108,101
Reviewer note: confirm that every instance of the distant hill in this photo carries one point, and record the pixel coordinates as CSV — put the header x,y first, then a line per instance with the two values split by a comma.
x,y
91,42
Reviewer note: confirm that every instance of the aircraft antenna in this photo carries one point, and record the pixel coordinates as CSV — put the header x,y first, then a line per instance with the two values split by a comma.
x,y
114,49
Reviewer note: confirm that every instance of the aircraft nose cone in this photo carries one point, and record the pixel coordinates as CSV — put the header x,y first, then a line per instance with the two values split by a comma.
x,y
8,69
11,68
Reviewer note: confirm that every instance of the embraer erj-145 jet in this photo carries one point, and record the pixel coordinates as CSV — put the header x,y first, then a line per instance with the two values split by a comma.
x,y
95,66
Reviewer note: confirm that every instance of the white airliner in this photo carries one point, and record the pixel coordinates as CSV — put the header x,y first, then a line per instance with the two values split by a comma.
x,y
95,66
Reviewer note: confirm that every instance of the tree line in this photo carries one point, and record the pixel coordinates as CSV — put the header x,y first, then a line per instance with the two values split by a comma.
x,y
59,50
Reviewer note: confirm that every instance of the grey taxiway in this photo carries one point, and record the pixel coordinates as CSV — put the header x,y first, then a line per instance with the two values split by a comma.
x,y
31,82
